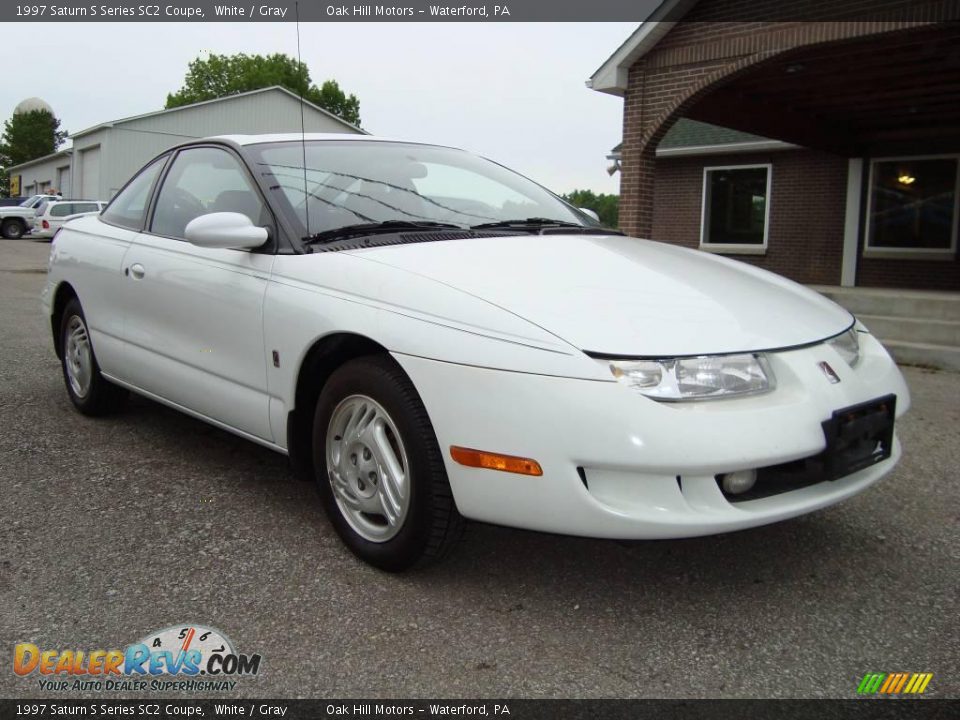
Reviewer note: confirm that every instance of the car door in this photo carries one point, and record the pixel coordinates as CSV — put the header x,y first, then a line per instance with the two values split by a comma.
x,y
194,315
94,258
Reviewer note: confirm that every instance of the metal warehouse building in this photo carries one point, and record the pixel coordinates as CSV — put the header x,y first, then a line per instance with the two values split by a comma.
x,y
104,156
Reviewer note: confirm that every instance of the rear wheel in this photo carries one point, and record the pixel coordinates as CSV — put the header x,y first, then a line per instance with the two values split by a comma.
x,y
89,391
379,469
12,229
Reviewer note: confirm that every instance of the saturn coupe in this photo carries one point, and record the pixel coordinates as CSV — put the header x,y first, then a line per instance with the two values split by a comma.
x,y
432,338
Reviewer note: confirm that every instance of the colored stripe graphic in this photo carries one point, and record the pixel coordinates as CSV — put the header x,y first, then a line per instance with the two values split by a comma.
x,y
871,683
890,682
894,683
923,679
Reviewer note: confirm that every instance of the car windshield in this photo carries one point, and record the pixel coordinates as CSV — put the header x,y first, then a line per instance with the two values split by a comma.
x,y
30,201
364,182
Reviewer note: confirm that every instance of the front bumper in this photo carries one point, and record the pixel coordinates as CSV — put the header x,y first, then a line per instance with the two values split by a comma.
x,y
618,465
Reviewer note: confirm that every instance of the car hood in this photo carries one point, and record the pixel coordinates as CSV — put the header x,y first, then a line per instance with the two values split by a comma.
x,y
617,295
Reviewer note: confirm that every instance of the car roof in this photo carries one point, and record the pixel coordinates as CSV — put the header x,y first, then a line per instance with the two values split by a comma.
x,y
291,137
72,200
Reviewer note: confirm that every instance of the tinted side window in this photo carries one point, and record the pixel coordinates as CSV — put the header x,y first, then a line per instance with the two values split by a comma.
x,y
201,181
84,207
62,210
130,206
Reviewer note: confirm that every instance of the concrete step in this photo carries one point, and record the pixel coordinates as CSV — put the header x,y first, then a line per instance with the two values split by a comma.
x,y
918,330
943,357
889,302
917,327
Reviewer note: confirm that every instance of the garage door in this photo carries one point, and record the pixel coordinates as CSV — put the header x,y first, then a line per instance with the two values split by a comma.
x,y
63,181
90,174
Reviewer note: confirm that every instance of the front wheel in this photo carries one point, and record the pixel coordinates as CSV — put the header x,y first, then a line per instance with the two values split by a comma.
x,y
12,229
90,392
379,469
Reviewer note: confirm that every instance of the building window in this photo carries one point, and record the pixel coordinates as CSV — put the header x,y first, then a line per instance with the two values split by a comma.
x,y
736,208
913,205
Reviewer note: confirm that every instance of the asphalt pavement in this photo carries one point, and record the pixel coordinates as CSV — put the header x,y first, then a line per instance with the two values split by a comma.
x,y
112,528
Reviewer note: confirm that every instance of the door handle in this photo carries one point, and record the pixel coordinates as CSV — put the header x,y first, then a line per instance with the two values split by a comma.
x,y
137,271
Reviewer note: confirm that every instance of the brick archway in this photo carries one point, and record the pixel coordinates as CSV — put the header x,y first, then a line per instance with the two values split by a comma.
x,y
638,154
692,62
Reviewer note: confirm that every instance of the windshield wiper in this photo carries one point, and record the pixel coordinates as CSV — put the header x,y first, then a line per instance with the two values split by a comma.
x,y
387,226
530,222
547,226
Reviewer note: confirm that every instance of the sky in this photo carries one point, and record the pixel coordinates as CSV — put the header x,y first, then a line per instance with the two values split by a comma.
x,y
513,92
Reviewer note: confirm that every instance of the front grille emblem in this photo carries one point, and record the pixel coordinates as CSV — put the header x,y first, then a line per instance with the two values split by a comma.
x,y
828,371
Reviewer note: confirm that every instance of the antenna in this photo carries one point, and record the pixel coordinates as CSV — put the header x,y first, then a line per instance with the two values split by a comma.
x,y
303,132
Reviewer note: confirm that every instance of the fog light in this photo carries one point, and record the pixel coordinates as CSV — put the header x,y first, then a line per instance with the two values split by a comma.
x,y
739,482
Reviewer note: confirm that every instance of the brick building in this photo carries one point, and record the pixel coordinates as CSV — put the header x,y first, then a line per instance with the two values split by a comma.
x,y
824,146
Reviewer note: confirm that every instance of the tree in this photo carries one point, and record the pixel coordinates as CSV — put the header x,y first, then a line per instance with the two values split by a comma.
x,y
27,136
331,97
606,206
222,75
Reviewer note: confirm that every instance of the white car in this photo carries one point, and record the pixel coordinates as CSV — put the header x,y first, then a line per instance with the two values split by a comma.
x,y
53,214
16,220
433,337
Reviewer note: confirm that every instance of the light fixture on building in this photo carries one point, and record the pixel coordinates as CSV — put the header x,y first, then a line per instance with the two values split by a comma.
x,y
906,179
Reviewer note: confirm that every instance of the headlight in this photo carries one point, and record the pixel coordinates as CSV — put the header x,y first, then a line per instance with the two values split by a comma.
x,y
848,345
696,378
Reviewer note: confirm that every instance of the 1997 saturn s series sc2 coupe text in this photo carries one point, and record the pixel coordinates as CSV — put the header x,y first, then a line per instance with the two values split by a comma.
x,y
434,337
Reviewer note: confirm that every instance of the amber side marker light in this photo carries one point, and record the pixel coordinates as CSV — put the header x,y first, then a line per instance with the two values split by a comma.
x,y
493,461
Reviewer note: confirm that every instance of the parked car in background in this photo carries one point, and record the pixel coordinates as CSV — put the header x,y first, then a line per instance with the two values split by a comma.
x,y
52,214
17,220
433,337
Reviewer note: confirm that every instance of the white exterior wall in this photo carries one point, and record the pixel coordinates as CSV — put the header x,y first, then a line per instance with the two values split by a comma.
x,y
129,151
127,146
38,176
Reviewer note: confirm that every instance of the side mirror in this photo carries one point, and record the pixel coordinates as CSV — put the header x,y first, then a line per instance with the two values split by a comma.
x,y
225,230
591,213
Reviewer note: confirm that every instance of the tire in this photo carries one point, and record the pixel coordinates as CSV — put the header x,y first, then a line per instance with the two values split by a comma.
x,y
12,229
369,410
89,391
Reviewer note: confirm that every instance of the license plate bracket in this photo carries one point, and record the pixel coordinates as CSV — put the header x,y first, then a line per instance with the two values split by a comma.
x,y
859,436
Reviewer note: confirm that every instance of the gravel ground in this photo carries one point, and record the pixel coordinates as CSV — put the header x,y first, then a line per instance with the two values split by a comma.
x,y
113,528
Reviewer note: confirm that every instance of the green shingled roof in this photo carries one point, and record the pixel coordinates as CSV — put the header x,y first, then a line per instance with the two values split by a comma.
x,y
692,133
